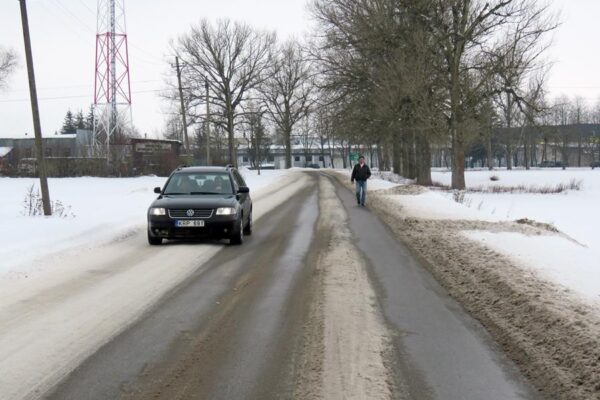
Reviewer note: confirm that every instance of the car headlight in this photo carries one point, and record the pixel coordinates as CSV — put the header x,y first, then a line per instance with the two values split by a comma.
x,y
158,211
226,211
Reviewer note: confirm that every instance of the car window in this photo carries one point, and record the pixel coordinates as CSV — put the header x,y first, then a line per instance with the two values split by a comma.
x,y
199,183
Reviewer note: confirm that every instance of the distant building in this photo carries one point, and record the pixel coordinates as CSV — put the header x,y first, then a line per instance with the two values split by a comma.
x,y
4,160
303,156
72,155
564,145
151,156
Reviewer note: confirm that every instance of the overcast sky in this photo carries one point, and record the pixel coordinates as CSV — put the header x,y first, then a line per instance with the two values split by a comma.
x,y
63,38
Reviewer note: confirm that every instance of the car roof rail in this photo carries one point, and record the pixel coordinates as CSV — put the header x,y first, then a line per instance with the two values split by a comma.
x,y
229,166
180,167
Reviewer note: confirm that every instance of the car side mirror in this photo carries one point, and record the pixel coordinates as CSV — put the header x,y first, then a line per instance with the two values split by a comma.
x,y
243,189
157,190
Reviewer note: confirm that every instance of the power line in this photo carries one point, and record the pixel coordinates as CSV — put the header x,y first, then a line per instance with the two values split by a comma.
x,y
82,86
149,59
67,24
87,7
74,96
83,24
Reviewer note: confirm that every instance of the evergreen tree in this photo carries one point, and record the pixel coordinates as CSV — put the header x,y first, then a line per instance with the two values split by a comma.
x,y
89,119
68,124
80,122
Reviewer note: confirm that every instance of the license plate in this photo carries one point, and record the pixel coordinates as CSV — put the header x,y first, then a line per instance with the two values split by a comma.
x,y
189,224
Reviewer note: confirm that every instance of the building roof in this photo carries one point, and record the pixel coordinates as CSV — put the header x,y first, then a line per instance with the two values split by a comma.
x,y
46,137
155,140
4,151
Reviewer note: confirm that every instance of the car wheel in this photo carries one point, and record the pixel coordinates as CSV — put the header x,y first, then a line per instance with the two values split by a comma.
x,y
154,241
238,234
248,228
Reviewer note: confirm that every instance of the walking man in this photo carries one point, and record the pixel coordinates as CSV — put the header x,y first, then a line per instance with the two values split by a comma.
x,y
360,174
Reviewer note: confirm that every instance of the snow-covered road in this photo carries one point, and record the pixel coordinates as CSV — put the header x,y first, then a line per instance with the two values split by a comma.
x,y
61,308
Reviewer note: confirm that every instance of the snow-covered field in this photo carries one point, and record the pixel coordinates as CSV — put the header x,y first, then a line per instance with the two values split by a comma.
x,y
572,263
100,209
573,212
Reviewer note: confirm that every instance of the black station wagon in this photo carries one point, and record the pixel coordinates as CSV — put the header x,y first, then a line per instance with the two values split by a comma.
x,y
201,202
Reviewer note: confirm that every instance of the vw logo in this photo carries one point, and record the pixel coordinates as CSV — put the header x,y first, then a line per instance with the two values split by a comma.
x,y
190,213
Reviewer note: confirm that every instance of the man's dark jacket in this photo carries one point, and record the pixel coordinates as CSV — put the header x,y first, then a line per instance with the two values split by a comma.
x,y
361,173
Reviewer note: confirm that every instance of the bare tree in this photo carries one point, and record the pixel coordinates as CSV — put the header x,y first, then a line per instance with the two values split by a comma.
x,y
307,137
579,115
467,32
287,93
324,133
8,63
255,133
235,57
412,74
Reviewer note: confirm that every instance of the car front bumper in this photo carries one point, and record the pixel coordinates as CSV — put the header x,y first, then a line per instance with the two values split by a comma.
x,y
216,227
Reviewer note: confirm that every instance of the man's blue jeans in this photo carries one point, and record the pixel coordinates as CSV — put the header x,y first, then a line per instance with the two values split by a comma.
x,y
361,192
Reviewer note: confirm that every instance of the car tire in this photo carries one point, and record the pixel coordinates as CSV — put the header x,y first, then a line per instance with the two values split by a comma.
x,y
237,237
154,241
248,228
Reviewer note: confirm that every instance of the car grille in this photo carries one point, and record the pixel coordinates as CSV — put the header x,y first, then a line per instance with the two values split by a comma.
x,y
183,214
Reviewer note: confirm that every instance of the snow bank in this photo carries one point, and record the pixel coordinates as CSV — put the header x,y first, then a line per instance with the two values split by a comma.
x,y
551,257
574,213
574,264
438,206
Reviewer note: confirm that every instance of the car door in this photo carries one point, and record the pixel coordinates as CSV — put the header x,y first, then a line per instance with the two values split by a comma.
x,y
244,197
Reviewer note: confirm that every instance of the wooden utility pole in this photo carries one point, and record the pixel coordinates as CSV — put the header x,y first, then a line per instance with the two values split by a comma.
x,y
39,145
207,125
183,117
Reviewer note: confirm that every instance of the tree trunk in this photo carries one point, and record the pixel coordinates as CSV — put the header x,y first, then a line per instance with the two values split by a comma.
x,y
490,156
343,154
257,152
396,153
331,151
423,156
348,153
545,150
406,172
380,161
579,150
412,155
526,151
323,151
231,138
458,157
288,148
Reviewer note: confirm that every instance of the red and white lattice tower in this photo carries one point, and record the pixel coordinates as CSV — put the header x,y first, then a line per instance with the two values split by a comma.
x,y
112,87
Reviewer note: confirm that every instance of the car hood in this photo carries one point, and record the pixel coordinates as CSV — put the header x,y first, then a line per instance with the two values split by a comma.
x,y
206,201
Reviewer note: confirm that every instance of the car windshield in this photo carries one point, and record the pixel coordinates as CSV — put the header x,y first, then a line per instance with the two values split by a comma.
x,y
199,184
